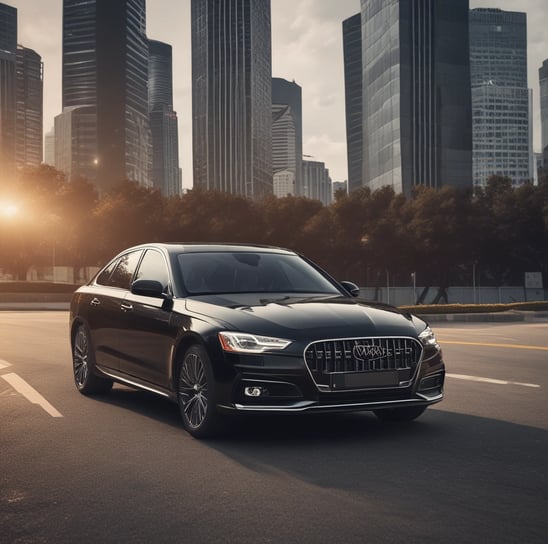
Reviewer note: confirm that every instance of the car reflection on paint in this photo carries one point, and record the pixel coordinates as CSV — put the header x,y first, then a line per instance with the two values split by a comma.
x,y
228,329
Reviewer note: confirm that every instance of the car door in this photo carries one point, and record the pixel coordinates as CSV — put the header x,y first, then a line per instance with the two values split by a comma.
x,y
149,335
106,316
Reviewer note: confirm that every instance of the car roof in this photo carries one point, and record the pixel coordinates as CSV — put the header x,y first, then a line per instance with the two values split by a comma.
x,y
197,247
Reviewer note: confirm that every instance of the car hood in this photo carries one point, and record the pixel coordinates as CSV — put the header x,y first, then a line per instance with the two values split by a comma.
x,y
306,317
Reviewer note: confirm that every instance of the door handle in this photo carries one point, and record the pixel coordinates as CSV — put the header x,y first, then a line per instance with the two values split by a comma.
x,y
95,301
126,307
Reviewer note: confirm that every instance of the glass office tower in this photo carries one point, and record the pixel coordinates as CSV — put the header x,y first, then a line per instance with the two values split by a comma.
x,y
163,120
8,55
30,98
231,96
501,101
416,94
543,81
105,65
287,97
352,49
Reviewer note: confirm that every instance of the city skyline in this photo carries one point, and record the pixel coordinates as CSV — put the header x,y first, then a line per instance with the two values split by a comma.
x,y
306,47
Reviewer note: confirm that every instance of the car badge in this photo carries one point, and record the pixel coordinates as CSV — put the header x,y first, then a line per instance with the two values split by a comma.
x,y
369,352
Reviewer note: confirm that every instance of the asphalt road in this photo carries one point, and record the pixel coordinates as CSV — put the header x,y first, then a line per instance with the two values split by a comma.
x,y
121,468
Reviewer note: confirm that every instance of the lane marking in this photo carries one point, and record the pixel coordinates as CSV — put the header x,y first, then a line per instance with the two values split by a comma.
x,y
4,364
490,380
21,386
492,345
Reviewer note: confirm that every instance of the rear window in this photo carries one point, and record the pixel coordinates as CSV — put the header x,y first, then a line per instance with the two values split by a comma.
x,y
123,271
215,273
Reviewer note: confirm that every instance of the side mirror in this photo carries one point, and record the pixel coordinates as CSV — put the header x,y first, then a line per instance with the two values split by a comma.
x,y
148,288
352,288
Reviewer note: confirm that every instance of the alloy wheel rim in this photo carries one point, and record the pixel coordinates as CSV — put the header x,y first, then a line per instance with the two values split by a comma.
x,y
80,358
193,390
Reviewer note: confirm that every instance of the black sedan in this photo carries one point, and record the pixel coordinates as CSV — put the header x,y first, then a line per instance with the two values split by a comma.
x,y
224,329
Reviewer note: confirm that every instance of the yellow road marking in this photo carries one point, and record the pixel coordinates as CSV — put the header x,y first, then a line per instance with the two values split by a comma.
x,y
491,345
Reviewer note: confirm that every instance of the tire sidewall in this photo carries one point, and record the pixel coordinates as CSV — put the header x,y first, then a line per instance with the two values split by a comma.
x,y
210,423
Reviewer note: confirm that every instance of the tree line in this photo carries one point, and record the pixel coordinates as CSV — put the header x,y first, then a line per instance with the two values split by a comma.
x,y
440,235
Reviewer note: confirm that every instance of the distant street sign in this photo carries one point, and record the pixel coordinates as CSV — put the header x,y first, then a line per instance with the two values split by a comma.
x,y
533,280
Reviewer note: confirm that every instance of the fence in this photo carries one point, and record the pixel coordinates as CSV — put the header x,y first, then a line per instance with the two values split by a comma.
x,y
405,296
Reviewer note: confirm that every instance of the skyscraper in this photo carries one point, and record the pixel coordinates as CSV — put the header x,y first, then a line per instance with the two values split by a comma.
x,y
231,96
75,148
287,98
501,101
29,118
352,49
163,120
8,56
284,157
543,80
317,183
416,94
105,66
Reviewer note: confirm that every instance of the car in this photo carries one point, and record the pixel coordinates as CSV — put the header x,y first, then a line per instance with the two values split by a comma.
x,y
225,329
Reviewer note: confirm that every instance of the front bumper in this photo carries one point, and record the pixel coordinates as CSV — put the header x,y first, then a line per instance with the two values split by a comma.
x,y
289,388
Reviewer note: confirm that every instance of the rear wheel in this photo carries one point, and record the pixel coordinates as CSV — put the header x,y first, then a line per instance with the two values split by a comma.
x,y
196,393
83,365
406,413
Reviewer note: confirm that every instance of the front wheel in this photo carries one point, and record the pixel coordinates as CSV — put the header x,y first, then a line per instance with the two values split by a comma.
x,y
406,413
83,365
196,393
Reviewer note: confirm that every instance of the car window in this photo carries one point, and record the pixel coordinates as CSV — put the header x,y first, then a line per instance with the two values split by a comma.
x,y
121,277
220,272
104,276
153,267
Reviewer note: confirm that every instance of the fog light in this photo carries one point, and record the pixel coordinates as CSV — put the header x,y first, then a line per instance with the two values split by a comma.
x,y
254,391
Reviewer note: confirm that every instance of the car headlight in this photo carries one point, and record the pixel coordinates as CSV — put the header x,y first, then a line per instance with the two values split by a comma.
x,y
428,339
250,343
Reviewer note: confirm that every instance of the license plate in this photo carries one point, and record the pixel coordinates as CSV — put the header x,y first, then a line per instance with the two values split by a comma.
x,y
357,380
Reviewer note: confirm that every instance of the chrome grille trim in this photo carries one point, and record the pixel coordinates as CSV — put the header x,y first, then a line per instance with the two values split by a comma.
x,y
336,356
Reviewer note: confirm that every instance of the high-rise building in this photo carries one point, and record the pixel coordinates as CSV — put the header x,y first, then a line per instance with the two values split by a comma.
x,y
543,80
231,96
30,110
317,183
76,142
163,120
79,53
8,101
287,97
49,147
284,183
105,65
284,156
501,101
416,94
353,94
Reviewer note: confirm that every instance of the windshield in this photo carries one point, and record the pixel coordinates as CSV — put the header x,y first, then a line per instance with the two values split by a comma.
x,y
215,273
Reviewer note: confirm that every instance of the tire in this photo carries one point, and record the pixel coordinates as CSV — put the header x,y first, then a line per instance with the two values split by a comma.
x,y
407,413
83,365
196,394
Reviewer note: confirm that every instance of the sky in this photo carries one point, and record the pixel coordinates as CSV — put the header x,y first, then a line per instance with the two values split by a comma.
x,y
306,47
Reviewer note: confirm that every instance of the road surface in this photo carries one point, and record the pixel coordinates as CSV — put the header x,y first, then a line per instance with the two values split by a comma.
x,y
121,469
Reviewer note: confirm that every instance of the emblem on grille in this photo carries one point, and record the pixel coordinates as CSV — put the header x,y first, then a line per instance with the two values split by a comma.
x,y
368,352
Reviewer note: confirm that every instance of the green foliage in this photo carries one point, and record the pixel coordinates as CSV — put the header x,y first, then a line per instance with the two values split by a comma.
x,y
438,234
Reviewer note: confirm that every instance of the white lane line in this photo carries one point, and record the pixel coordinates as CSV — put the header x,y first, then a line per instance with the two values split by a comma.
x,y
21,386
490,380
4,364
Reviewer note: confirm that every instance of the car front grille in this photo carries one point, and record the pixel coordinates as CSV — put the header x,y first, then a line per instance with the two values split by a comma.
x,y
363,362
